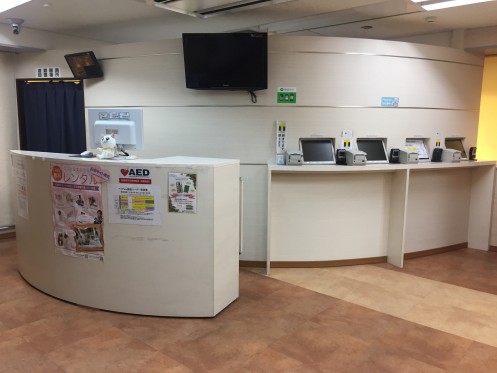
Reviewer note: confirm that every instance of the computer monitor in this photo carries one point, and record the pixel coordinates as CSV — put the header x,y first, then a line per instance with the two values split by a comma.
x,y
419,145
456,143
317,150
125,123
375,150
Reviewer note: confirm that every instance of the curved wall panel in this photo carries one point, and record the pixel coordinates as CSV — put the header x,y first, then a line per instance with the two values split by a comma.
x,y
339,82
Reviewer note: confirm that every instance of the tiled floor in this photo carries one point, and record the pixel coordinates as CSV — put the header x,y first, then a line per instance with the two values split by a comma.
x,y
274,326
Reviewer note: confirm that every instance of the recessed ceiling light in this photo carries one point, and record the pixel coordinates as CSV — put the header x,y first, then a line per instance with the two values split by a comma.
x,y
442,4
9,4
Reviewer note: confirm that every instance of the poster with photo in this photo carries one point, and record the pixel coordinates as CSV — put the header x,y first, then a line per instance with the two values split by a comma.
x,y
77,209
182,192
133,204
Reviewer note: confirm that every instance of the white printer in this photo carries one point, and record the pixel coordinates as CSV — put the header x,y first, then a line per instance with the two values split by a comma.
x,y
408,156
294,158
355,157
451,155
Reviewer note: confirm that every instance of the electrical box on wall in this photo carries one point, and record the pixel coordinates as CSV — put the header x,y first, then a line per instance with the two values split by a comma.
x,y
48,72
125,123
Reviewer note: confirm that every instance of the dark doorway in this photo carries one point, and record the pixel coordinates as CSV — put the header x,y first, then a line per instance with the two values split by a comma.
x,y
51,116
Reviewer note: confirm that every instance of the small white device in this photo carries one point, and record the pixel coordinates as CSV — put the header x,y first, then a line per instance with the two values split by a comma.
x,y
451,155
408,156
355,157
294,158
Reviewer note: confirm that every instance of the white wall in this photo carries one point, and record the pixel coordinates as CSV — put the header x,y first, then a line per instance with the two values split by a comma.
x,y
29,39
8,130
339,84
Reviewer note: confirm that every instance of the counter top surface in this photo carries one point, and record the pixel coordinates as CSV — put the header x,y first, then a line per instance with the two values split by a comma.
x,y
179,161
380,167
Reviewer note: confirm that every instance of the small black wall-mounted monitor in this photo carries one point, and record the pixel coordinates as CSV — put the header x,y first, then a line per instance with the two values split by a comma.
x,y
317,150
456,143
226,61
374,148
84,65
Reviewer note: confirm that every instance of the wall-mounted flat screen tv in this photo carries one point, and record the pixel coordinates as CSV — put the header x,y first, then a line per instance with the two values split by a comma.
x,y
226,61
84,65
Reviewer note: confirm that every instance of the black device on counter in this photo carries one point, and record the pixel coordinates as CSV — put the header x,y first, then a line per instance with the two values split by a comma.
x,y
340,158
394,155
472,153
437,155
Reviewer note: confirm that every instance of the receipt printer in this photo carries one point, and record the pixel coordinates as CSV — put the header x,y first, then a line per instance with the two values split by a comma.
x,y
451,155
355,157
408,156
294,158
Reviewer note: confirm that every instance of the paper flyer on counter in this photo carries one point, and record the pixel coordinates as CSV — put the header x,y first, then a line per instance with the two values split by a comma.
x,y
77,209
21,182
182,192
131,204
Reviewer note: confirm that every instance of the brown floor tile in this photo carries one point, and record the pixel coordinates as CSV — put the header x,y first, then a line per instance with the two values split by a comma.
x,y
17,355
273,327
478,358
110,350
468,268
266,360
322,348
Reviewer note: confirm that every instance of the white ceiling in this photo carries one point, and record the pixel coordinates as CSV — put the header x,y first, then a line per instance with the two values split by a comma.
x,y
123,21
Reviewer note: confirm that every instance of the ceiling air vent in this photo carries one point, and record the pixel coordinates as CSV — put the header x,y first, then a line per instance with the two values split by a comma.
x,y
209,8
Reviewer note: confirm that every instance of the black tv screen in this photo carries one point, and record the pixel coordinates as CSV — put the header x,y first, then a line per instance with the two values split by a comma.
x,y
84,65
375,150
226,61
317,150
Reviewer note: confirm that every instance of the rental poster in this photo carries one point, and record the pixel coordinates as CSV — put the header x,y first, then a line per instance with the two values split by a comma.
x,y
182,192
133,204
77,209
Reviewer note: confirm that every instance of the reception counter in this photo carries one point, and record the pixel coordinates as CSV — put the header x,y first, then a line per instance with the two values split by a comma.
x,y
340,215
147,236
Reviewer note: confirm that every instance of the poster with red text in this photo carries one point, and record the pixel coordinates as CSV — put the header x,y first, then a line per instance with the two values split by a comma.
x,y
77,209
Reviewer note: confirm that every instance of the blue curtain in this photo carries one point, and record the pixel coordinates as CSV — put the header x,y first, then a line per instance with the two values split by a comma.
x,y
54,118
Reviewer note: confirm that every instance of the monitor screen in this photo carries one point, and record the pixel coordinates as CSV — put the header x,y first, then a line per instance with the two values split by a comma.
x,y
226,61
317,151
418,145
456,144
84,65
375,150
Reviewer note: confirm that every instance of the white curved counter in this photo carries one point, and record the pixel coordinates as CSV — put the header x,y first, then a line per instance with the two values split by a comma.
x,y
159,255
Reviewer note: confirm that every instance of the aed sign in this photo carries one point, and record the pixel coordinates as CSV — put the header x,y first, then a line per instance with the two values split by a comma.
x,y
135,176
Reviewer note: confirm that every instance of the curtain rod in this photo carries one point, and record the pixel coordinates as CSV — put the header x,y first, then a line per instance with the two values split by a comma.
x,y
54,81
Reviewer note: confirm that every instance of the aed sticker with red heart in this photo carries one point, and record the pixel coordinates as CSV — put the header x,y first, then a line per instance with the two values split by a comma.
x,y
135,176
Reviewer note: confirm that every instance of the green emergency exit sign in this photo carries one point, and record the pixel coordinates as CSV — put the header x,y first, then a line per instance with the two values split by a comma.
x,y
287,95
